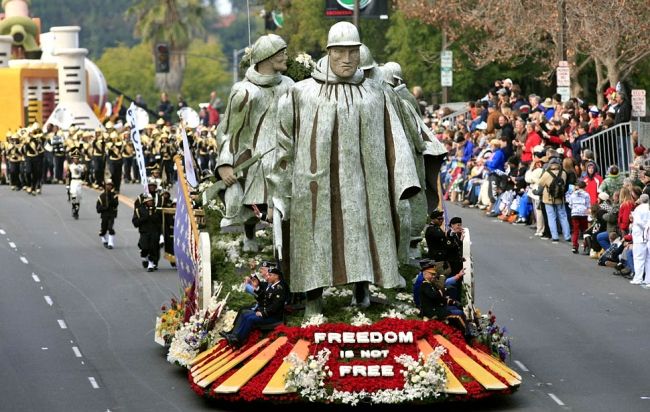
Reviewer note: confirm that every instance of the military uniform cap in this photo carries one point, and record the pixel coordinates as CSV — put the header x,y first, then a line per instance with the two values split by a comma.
x,y
437,214
113,135
266,46
455,220
146,197
108,182
343,33
427,264
109,125
367,61
160,121
98,130
267,264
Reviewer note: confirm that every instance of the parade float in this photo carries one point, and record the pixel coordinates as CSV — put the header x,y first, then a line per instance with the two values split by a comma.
x,y
45,73
336,346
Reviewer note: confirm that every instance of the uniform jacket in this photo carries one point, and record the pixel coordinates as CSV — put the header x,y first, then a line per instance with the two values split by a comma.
x,y
147,220
271,299
433,302
107,204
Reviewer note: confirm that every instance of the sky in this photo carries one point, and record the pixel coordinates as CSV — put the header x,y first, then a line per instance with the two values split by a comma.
x,y
224,6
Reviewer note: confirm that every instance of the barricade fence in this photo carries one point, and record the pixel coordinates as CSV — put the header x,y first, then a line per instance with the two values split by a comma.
x,y
611,146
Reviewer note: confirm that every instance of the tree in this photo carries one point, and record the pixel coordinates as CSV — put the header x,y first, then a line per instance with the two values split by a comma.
x,y
614,33
176,22
123,69
207,70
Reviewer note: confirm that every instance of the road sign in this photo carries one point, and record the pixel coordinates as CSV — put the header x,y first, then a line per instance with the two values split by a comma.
x,y
563,74
446,77
446,59
638,103
565,92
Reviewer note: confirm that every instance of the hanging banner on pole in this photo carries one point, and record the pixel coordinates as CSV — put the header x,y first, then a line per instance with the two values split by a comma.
x,y
138,121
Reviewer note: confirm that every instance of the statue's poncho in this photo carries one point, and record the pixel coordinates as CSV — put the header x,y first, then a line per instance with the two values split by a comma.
x,y
343,164
246,129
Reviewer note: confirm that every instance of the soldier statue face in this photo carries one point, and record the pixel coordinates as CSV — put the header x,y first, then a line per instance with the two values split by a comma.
x,y
344,60
279,61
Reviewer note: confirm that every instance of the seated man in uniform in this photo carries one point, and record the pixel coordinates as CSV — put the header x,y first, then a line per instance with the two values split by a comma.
x,y
434,302
270,309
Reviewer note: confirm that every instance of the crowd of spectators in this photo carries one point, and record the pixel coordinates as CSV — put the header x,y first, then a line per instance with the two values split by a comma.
x,y
520,159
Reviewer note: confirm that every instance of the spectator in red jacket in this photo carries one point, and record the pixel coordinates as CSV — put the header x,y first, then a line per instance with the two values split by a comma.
x,y
532,139
593,181
625,210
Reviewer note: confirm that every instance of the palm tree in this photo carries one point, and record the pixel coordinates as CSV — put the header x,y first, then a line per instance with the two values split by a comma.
x,y
175,22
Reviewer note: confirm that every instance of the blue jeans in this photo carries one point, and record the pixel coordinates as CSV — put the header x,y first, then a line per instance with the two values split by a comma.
x,y
603,240
250,321
524,206
555,212
629,259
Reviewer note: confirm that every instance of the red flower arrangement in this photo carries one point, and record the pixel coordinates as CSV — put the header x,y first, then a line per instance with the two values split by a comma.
x,y
252,391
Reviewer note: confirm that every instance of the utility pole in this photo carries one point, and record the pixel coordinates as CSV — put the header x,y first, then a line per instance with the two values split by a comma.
x,y
355,14
562,53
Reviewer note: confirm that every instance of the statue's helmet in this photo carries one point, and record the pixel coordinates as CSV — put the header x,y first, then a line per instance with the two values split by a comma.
x,y
266,46
391,71
343,33
367,61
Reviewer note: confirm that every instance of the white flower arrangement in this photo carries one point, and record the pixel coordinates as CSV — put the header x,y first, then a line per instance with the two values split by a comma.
x,y
379,295
404,297
408,310
360,319
314,320
231,247
308,376
306,60
424,378
197,331
392,313
337,293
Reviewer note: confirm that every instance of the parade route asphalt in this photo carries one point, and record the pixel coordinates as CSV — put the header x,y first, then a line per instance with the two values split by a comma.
x,y
76,319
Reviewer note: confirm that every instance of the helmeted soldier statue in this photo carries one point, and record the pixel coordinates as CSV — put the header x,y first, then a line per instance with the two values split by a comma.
x,y
248,128
343,164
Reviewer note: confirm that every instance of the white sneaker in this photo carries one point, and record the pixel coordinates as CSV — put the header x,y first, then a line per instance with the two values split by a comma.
x,y
635,282
104,241
645,285
151,267
111,241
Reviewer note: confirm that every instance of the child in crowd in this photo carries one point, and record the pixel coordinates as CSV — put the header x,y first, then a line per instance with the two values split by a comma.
x,y
579,202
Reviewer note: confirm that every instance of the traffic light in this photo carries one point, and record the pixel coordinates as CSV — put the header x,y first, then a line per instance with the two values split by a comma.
x,y
162,58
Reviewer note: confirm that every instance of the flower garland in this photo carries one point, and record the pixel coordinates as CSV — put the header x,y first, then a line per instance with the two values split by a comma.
x,y
424,378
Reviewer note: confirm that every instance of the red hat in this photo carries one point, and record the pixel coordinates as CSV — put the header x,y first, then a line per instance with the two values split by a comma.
x,y
639,150
609,91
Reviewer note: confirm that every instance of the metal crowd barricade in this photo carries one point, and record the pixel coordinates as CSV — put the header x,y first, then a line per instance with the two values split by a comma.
x,y
611,146
452,117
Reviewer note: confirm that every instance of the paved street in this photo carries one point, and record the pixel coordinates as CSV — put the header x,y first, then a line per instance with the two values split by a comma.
x,y
76,320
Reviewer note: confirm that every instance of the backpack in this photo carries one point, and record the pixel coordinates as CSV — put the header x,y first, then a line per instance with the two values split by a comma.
x,y
557,188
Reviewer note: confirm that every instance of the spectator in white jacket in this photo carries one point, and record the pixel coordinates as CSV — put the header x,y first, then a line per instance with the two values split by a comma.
x,y
579,202
640,231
